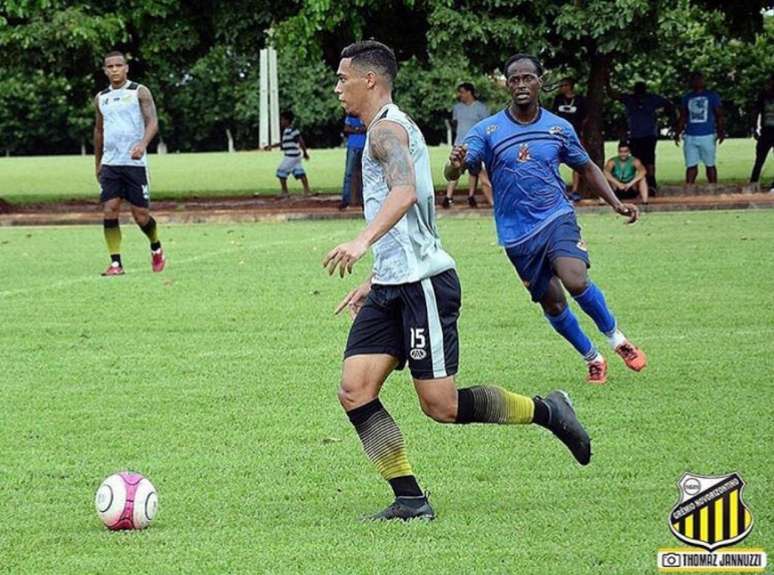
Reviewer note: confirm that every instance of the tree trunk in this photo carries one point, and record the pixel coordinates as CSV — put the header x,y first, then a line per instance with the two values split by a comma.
x,y
594,140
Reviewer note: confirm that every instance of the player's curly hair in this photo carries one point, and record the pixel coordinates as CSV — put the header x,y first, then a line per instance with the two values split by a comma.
x,y
546,86
531,58
376,55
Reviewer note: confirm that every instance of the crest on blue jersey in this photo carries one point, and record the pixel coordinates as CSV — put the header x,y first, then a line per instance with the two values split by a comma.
x,y
523,153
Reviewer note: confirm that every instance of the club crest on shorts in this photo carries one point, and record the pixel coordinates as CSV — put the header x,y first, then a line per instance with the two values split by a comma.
x,y
523,153
710,512
582,245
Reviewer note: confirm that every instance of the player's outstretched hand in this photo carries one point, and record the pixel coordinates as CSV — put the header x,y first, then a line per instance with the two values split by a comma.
x,y
630,211
457,156
344,257
355,299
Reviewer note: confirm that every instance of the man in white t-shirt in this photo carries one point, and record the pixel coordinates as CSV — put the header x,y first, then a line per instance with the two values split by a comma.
x,y
466,113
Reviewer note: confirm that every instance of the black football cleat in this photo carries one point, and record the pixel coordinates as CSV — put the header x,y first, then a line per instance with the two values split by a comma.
x,y
406,509
565,426
472,202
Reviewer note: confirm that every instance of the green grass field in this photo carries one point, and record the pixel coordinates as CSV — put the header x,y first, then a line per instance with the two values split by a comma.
x,y
217,379
55,178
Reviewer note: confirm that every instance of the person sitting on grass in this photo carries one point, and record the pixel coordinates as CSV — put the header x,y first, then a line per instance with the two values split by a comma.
x,y
293,146
626,174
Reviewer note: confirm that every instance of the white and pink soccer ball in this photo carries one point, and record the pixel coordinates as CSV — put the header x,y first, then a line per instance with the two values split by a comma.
x,y
126,501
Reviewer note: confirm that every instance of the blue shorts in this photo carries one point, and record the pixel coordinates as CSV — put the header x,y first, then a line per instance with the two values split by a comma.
x,y
699,149
534,258
291,165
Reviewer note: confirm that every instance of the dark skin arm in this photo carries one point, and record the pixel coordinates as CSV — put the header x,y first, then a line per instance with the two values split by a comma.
x,y
455,167
609,174
669,110
98,138
148,109
595,179
303,147
720,120
680,126
388,145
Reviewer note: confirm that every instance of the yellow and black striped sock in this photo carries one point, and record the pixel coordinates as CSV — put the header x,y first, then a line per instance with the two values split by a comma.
x,y
150,230
492,404
113,239
383,444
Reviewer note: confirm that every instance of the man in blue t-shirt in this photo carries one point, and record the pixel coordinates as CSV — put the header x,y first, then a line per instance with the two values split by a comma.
x,y
522,147
701,117
355,131
641,109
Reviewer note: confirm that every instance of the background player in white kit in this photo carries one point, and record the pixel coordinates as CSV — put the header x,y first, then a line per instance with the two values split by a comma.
x,y
407,310
126,122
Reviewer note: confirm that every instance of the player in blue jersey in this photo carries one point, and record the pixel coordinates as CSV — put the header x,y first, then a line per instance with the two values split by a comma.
x,y
522,147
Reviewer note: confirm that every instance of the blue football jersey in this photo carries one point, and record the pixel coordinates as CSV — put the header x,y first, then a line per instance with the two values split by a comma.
x,y
523,165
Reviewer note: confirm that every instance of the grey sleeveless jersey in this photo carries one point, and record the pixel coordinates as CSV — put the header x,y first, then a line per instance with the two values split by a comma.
x,y
411,251
123,124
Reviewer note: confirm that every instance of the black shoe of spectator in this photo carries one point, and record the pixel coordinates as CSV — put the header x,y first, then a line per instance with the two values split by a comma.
x,y
447,202
472,202
343,205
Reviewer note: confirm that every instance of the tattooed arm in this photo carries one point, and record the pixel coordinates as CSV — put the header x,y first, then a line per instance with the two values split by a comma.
x,y
389,146
148,109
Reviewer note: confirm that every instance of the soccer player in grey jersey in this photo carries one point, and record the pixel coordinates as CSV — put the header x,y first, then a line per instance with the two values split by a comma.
x,y
407,310
126,122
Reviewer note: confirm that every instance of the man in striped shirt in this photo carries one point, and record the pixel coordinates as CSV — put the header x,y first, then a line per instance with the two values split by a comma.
x,y
293,147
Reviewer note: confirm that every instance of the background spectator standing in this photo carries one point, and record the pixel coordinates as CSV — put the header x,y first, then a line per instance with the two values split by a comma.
x,y
763,131
702,119
466,113
571,107
641,108
352,188
293,148
627,174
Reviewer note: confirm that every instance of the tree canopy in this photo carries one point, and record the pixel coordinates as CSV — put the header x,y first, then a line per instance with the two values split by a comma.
x,y
200,59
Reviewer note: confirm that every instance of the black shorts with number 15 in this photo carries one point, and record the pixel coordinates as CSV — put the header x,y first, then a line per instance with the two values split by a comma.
x,y
414,322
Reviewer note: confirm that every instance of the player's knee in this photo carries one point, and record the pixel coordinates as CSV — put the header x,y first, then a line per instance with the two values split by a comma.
x,y
439,410
141,217
575,282
553,308
352,395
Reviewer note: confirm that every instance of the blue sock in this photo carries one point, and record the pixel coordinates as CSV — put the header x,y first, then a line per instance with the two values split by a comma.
x,y
592,301
568,327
